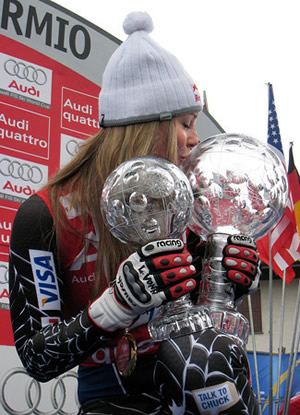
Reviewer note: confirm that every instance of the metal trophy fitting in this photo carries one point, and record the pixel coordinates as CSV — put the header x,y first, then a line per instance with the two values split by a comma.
x,y
240,188
178,318
143,200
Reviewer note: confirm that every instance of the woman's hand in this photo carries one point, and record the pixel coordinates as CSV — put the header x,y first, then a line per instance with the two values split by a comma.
x,y
158,272
242,263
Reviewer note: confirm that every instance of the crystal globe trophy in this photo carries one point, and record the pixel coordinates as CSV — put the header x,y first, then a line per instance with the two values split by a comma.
x,y
146,199
240,188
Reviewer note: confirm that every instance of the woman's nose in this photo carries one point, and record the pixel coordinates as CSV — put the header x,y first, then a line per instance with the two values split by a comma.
x,y
193,138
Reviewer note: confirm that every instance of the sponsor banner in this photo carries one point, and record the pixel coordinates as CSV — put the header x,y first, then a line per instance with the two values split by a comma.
x,y
22,80
20,178
79,112
24,131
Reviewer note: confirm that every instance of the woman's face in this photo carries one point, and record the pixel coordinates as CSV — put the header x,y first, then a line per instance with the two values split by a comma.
x,y
187,137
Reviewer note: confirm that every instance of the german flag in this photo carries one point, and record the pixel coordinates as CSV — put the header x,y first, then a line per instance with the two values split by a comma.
x,y
294,184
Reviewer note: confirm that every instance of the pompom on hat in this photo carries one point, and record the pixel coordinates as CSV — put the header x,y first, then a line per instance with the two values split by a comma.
x,y
143,82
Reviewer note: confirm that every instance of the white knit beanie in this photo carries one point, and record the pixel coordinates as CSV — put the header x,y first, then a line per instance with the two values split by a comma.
x,y
144,82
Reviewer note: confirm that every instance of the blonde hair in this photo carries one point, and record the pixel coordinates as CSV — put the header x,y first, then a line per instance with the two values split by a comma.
x,y
84,176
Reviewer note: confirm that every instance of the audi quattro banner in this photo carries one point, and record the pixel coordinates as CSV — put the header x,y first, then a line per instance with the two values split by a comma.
x,y
51,65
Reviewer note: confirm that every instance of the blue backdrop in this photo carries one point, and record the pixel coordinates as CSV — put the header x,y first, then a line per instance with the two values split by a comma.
x,y
263,363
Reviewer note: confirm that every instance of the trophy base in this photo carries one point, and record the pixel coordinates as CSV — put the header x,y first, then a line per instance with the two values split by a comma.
x,y
231,322
179,318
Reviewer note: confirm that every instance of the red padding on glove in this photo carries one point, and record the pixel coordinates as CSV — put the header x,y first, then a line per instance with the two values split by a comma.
x,y
172,260
241,252
240,265
239,278
181,289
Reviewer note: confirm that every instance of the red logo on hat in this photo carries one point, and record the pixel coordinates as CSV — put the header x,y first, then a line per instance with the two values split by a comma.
x,y
196,93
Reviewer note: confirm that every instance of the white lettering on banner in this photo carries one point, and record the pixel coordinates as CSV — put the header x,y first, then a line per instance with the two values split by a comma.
x,y
5,226
20,124
24,138
83,279
215,399
74,118
57,32
43,268
86,109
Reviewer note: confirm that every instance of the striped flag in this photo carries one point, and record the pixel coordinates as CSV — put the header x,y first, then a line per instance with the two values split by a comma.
x,y
285,236
294,183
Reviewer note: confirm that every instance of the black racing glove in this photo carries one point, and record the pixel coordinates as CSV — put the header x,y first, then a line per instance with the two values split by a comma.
x,y
241,260
158,272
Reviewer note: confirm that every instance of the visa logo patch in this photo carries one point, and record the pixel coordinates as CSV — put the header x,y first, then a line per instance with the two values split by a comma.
x,y
43,268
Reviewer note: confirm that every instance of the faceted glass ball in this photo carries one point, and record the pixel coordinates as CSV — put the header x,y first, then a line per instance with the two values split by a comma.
x,y
145,199
240,186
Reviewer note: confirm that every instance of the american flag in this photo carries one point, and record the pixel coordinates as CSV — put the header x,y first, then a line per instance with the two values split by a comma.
x,y
274,138
284,237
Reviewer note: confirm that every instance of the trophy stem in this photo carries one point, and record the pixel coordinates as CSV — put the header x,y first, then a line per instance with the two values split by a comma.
x,y
214,286
217,293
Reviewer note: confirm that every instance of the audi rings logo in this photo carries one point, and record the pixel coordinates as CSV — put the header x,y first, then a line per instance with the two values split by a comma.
x,y
72,147
34,399
27,72
23,171
3,274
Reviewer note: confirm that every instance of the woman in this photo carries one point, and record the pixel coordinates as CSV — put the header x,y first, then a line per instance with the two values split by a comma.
x,y
66,270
